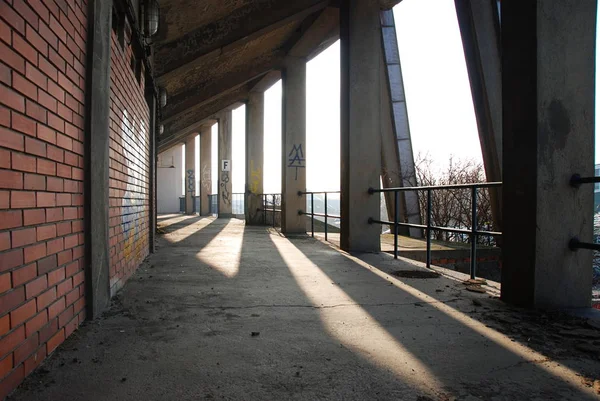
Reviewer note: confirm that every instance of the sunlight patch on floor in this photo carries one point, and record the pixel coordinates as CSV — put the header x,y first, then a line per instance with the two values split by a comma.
x,y
224,258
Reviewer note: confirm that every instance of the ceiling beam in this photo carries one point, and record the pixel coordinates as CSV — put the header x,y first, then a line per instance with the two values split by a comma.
x,y
243,25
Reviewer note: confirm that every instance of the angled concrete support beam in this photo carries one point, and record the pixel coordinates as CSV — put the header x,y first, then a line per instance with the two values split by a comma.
x,y
548,69
360,32
255,115
96,157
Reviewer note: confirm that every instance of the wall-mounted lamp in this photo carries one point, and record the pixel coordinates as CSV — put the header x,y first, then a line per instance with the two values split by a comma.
x,y
162,97
151,18
161,129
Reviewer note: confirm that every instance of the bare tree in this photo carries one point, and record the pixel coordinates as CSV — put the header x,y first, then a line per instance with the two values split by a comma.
x,y
452,207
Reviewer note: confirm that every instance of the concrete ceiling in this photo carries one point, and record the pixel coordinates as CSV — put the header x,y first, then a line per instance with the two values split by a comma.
x,y
210,54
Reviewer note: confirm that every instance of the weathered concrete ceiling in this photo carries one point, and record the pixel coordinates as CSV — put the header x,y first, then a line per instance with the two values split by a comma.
x,y
208,54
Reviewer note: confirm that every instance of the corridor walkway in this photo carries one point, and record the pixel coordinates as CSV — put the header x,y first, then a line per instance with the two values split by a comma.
x,y
224,311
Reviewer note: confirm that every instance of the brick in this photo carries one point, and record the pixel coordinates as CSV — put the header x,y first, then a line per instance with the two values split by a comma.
x,y
66,316
37,41
36,287
55,246
26,12
35,111
78,279
10,219
11,58
47,264
56,122
46,167
10,382
64,142
64,257
11,259
4,115
22,199
11,300
26,349
55,153
56,91
57,28
35,360
25,49
55,341
4,241
40,9
5,32
23,162
23,124
11,17
63,199
71,241
64,287
5,283
50,37
24,86
55,214
35,147
43,300
4,199
48,69
4,158
24,274
72,269
46,232
48,330
6,365
70,213
4,325
62,170
31,217
46,134
22,313
23,237
12,340
71,326
56,276
11,139
56,308
36,76
5,73
63,228
10,180
34,252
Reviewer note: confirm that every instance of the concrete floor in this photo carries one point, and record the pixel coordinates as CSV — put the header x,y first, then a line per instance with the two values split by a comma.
x,y
224,311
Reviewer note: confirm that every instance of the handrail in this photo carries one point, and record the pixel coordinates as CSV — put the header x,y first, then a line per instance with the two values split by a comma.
x,y
312,213
266,210
575,244
473,232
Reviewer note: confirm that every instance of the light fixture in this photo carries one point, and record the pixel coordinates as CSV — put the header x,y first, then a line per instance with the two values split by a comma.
x,y
151,18
161,129
162,97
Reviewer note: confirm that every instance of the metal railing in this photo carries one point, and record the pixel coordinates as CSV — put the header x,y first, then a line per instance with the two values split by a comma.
x,y
238,200
213,204
473,233
312,213
271,203
195,205
575,243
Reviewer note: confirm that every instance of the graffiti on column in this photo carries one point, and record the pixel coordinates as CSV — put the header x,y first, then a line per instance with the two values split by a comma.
x,y
191,186
206,178
296,158
225,195
255,177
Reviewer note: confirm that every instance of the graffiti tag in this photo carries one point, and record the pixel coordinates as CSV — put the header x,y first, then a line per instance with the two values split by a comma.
x,y
296,158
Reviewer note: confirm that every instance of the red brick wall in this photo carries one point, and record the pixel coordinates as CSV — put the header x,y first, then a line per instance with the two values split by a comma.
x,y
129,166
42,48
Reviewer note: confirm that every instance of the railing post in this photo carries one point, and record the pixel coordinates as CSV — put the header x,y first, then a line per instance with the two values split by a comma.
x,y
429,228
325,216
473,231
274,225
396,207
312,214
264,208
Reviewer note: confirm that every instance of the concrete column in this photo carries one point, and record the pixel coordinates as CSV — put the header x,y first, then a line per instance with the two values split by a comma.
x,y
293,170
225,164
97,106
190,173
205,169
255,114
548,135
360,36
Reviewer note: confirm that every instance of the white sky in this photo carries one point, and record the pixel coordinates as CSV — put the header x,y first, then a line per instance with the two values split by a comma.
x,y
440,108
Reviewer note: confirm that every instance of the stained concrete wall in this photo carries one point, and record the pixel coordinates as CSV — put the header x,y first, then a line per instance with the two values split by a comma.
x,y
205,169
190,173
548,105
255,115
169,186
225,155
